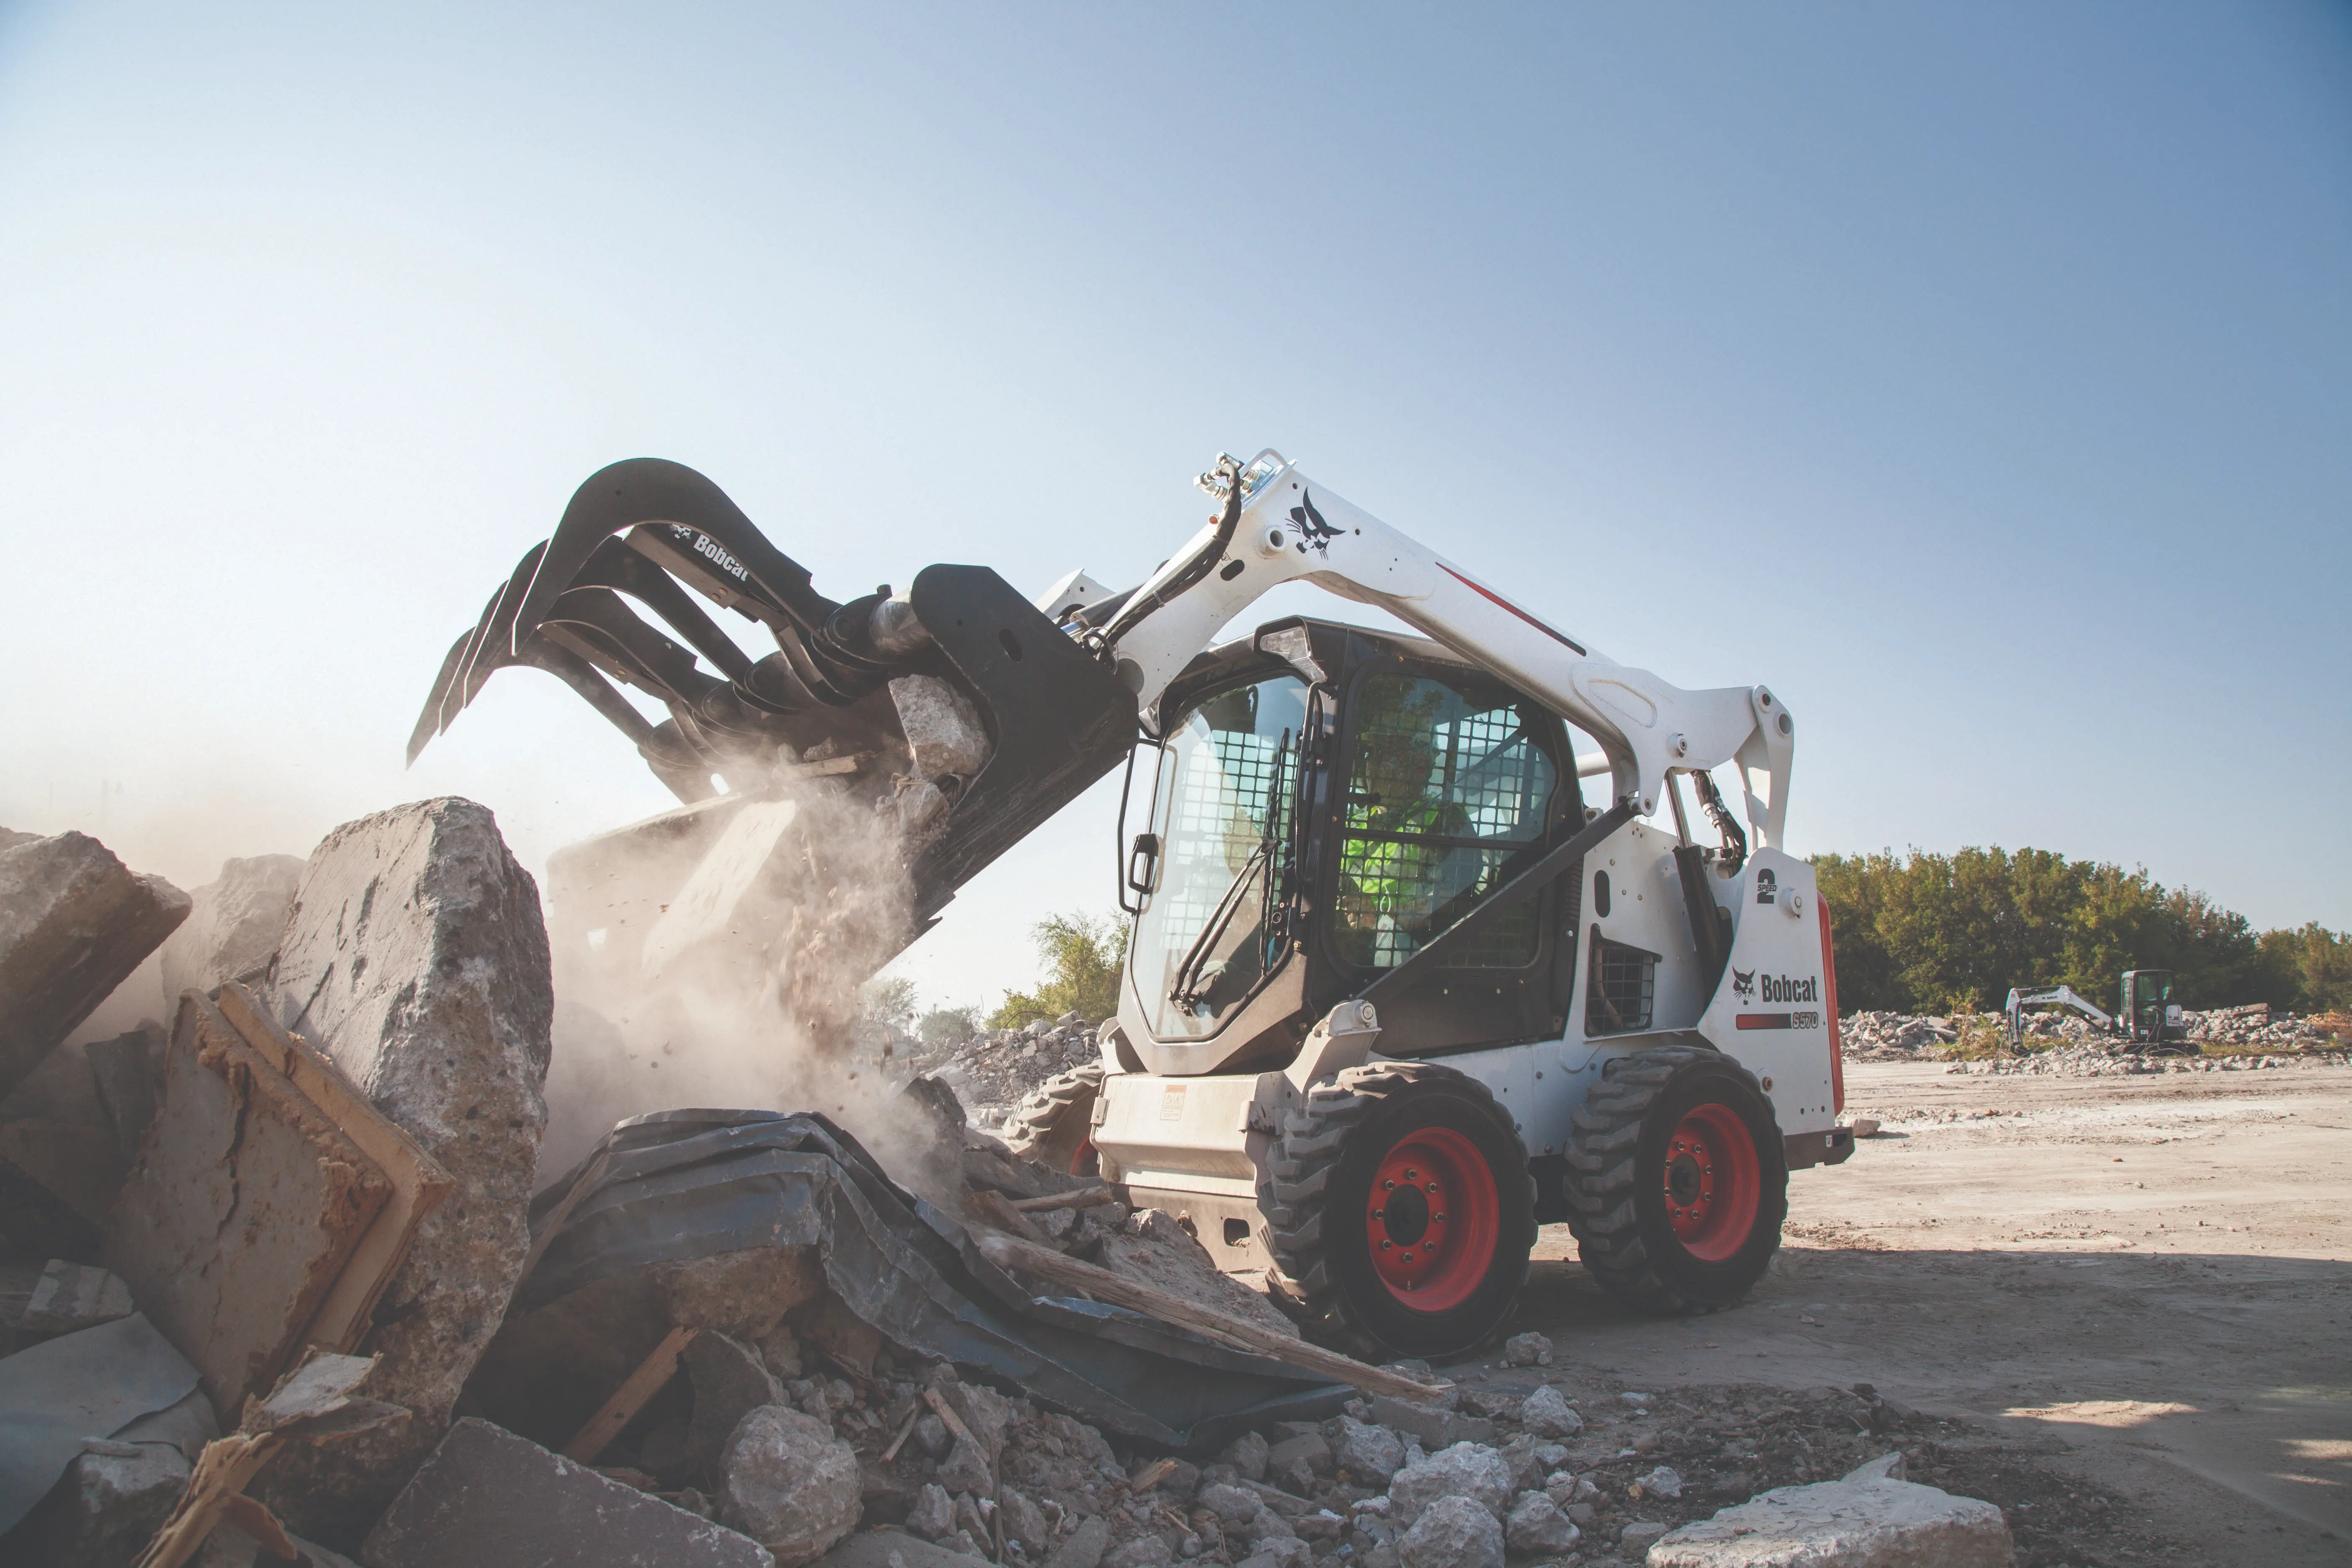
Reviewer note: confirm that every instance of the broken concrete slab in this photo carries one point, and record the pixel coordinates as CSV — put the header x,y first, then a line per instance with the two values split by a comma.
x,y
418,1184
124,1073
72,1296
1867,1522
710,903
488,1498
247,1203
787,1482
74,923
36,1221
233,928
92,1384
78,1165
944,730
416,961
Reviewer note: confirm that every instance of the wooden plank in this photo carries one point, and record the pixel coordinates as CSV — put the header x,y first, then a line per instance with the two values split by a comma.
x,y
419,1184
947,1414
906,1428
1012,1252
652,1375
1084,1197
992,1208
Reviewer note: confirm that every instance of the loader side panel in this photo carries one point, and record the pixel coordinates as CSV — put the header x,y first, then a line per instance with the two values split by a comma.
x,y
1772,1010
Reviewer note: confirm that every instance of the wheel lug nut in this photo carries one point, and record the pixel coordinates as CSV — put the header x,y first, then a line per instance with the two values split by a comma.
x,y
1386,1245
1388,1187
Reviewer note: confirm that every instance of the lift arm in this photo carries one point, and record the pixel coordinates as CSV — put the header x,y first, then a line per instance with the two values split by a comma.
x,y
1278,526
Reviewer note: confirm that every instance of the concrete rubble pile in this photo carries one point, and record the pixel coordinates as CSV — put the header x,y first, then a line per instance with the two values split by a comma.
x,y
274,1286
996,1070
282,1282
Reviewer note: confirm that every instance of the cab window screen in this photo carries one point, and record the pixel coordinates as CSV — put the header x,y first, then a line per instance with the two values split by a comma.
x,y
1447,784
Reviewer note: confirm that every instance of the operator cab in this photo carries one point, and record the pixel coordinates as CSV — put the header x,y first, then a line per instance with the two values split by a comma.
x,y
2148,1014
1315,802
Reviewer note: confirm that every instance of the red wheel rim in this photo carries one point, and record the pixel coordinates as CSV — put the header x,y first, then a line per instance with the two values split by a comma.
x,y
1082,1158
1712,1182
1433,1219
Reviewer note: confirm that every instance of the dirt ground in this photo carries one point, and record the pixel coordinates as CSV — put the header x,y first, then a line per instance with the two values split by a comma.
x,y
2143,1285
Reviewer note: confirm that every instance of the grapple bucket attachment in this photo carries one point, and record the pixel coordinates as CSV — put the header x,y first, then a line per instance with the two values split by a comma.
x,y
640,534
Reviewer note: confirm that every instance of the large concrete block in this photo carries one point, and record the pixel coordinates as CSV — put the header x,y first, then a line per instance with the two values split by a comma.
x,y
74,923
233,931
416,959
488,1498
1858,1523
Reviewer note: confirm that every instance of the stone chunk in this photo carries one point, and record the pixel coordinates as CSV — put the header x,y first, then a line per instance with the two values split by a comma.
x,y
1547,1414
944,730
487,1499
109,1504
1537,1528
1526,1350
72,1296
416,960
1452,1532
786,1481
933,1515
233,931
1464,1471
1247,1454
1373,1453
1083,1547
74,923
1866,1523
1663,1482
1436,1429
1642,1535
730,1381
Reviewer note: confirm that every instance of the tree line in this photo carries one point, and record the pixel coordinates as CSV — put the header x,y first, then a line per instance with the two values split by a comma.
x,y
1940,933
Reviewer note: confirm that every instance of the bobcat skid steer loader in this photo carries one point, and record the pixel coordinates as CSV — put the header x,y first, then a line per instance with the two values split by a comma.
x,y
1397,991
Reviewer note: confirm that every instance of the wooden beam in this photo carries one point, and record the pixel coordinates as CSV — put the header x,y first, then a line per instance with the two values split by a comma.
x,y
1084,1197
1012,1252
652,1375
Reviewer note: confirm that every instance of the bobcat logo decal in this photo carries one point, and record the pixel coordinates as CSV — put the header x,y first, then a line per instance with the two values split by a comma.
x,y
1743,984
1310,524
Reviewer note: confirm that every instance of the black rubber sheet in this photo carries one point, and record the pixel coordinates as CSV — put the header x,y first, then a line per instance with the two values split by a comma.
x,y
683,1184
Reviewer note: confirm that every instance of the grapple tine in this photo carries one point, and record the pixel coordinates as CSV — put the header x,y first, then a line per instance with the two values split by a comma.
x,y
494,643
651,490
428,724
616,566
625,647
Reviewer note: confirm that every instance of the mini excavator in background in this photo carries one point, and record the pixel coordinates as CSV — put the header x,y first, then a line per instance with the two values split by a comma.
x,y
1397,991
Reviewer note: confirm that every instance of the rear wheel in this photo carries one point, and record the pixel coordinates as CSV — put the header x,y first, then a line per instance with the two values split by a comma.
x,y
1677,1180
1401,1206
1054,1126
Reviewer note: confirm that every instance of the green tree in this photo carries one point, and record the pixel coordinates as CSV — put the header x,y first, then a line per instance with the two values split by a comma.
x,y
888,1001
1928,932
1084,956
947,1025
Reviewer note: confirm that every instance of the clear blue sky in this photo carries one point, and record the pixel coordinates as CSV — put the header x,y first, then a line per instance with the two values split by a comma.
x,y
1978,377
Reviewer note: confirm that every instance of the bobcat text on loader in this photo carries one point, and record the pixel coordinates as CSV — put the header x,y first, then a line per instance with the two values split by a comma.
x,y
1397,990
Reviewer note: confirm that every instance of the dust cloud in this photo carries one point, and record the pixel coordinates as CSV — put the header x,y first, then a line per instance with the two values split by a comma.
x,y
713,956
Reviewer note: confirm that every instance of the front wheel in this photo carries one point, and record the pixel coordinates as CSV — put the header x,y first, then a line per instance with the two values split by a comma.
x,y
1400,1204
1677,1180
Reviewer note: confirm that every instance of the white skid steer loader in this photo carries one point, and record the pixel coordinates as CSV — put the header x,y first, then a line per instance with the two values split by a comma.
x,y
1395,994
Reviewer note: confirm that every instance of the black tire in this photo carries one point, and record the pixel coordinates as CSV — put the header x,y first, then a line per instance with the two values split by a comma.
x,y
1054,1126
1624,1211
1318,1193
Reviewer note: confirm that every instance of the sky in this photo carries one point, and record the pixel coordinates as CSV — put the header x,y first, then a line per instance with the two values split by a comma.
x,y
1978,378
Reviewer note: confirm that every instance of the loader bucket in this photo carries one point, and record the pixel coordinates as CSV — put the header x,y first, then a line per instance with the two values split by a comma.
x,y
640,534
